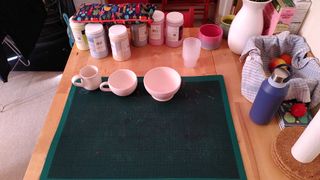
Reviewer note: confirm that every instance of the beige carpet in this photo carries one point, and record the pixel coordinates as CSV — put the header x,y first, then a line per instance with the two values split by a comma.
x,y
24,102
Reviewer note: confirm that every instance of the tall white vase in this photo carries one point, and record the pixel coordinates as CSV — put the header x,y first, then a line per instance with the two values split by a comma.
x,y
247,23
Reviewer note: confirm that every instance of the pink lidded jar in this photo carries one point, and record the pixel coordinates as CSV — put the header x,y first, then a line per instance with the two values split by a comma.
x,y
156,29
174,29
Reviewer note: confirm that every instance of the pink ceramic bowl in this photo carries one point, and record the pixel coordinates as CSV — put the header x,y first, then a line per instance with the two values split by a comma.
x,y
210,36
162,83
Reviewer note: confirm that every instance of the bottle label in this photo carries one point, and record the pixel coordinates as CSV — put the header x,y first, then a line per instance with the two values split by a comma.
x,y
155,32
125,47
99,44
180,32
121,49
142,33
80,37
172,33
116,48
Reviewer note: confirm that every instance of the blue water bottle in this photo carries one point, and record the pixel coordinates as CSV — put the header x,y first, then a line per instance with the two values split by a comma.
x,y
270,96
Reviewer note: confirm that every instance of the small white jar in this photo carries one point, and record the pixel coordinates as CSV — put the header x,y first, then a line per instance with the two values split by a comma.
x,y
97,40
174,29
119,42
78,32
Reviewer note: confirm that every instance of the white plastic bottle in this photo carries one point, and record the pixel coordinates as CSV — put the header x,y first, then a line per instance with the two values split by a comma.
x,y
174,29
97,40
119,41
156,30
79,35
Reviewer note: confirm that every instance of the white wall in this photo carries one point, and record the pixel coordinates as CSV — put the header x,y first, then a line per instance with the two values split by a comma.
x,y
311,28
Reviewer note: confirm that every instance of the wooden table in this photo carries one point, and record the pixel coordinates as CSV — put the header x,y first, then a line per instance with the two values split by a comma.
x,y
254,140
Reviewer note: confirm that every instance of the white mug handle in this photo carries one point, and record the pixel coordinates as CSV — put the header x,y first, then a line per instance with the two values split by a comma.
x,y
105,89
74,81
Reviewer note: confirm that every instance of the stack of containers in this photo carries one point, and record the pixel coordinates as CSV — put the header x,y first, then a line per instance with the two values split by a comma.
x,y
93,36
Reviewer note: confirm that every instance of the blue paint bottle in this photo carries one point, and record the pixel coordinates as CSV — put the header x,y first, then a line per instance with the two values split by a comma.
x,y
269,97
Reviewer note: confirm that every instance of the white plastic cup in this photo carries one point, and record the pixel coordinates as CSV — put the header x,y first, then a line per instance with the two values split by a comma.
x,y
156,30
97,40
174,29
191,51
119,41
78,32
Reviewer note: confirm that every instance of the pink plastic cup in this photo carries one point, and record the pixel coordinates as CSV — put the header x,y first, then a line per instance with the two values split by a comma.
x,y
210,36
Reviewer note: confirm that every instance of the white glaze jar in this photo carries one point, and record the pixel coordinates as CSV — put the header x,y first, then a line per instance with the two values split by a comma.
x,y
119,42
97,40
174,29
156,30
78,32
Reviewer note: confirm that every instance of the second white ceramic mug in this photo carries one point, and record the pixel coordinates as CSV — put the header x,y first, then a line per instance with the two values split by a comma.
x,y
122,82
89,78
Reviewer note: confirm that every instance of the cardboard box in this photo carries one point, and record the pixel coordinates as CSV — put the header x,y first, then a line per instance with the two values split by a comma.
x,y
302,4
277,16
302,8
295,27
299,15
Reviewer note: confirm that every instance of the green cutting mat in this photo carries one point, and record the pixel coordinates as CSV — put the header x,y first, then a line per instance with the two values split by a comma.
x,y
104,136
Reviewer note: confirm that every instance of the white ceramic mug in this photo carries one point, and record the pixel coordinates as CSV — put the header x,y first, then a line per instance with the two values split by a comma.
x,y
89,78
122,82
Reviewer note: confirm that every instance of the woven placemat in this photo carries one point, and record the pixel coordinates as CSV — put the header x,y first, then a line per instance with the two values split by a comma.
x,y
281,154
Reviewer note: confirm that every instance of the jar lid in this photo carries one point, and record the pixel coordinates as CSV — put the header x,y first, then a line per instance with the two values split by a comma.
x,y
74,23
158,16
93,28
117,30
279,75
175,17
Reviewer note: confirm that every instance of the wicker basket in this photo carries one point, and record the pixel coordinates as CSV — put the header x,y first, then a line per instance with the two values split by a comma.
x,y
305,82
